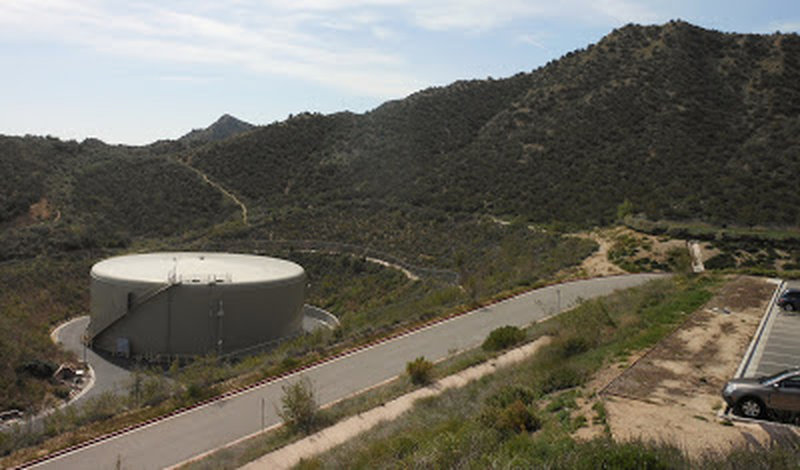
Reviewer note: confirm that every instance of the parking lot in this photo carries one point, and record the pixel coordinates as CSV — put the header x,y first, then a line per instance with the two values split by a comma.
x,y
779,345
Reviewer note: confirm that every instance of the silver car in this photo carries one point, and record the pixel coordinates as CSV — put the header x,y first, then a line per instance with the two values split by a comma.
x,y
777,394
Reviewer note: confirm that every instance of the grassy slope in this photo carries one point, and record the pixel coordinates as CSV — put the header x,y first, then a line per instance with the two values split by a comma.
x,y
462,427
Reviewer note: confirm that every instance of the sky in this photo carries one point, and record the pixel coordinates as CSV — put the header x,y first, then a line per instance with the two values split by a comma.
x,y
137,71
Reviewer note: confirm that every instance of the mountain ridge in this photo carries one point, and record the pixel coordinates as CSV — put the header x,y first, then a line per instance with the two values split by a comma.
x,y
647,115
223,128
681,122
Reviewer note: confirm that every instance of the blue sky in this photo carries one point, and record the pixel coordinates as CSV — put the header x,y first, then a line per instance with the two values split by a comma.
x,y
137,71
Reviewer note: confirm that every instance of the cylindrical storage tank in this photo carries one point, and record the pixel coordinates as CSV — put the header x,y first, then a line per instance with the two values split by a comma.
x,y
176,304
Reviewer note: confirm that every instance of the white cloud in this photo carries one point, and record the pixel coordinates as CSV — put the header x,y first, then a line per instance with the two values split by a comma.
x,y
383,33
784,27
316,40
483,15
186,79
622,11
261,42
532,39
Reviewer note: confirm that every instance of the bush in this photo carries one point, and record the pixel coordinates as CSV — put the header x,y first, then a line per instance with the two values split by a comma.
x,y
419,370
299,408
503,338
721,261
574,345
561,378
511,393
605,453
679,260
512,418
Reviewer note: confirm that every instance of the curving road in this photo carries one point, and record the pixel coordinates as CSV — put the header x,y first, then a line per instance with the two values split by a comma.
x,y
107,376
180,437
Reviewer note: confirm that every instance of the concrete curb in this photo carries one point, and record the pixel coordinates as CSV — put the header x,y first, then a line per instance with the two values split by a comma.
x,y
766,320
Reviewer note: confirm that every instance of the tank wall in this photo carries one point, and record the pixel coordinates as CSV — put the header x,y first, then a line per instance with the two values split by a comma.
x,y
183,319
109,301
145,328
254,315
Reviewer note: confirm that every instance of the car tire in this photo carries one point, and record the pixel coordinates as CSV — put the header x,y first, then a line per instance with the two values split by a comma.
x,y
789,307
751,407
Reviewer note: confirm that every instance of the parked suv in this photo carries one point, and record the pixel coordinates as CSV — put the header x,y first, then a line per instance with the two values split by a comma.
x,y
754,397
790,300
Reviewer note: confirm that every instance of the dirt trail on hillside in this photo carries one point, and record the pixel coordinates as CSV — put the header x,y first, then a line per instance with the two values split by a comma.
x,y
220,188
598,264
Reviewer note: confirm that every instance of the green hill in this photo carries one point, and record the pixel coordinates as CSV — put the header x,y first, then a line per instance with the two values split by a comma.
x,y
685,123
99,195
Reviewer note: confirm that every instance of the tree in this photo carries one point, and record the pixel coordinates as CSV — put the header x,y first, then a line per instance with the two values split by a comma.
x,y
299,409
624,210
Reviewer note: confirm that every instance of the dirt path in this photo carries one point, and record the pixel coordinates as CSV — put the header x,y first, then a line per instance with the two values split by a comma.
x,y
598,264
672,393
288,456
411,276
408,274
221,189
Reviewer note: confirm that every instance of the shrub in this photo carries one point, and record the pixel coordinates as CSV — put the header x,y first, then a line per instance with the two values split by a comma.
x,y
561,378
299,408
101,407
721,261
679,260
511,393
503,338
419,370
605,453
512,418
574,345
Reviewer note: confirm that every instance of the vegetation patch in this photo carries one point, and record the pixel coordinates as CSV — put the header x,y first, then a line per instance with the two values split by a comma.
x,y
503,338
419,371
492,421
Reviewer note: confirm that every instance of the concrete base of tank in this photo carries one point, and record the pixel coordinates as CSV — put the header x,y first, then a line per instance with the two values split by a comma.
x,y
315,317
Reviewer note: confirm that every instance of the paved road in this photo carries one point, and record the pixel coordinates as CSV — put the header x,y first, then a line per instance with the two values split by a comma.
x,y
181,437
108,376
111,377
778,348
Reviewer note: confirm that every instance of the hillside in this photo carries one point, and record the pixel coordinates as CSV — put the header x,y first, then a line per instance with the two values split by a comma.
x,y
683,122
96,195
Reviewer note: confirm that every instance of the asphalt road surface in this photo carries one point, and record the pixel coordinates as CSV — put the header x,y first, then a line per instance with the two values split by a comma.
x,y
208,427
108,377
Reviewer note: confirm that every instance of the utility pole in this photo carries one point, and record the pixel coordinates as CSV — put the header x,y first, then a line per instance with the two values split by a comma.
x,y
558,295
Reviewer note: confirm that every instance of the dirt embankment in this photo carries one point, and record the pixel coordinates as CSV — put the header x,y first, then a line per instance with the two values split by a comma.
x,y
672,392
40,211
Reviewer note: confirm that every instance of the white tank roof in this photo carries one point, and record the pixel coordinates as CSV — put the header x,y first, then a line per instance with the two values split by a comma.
x,y
196,268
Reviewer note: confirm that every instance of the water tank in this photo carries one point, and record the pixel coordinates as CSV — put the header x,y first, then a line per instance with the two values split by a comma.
x,y
163,305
